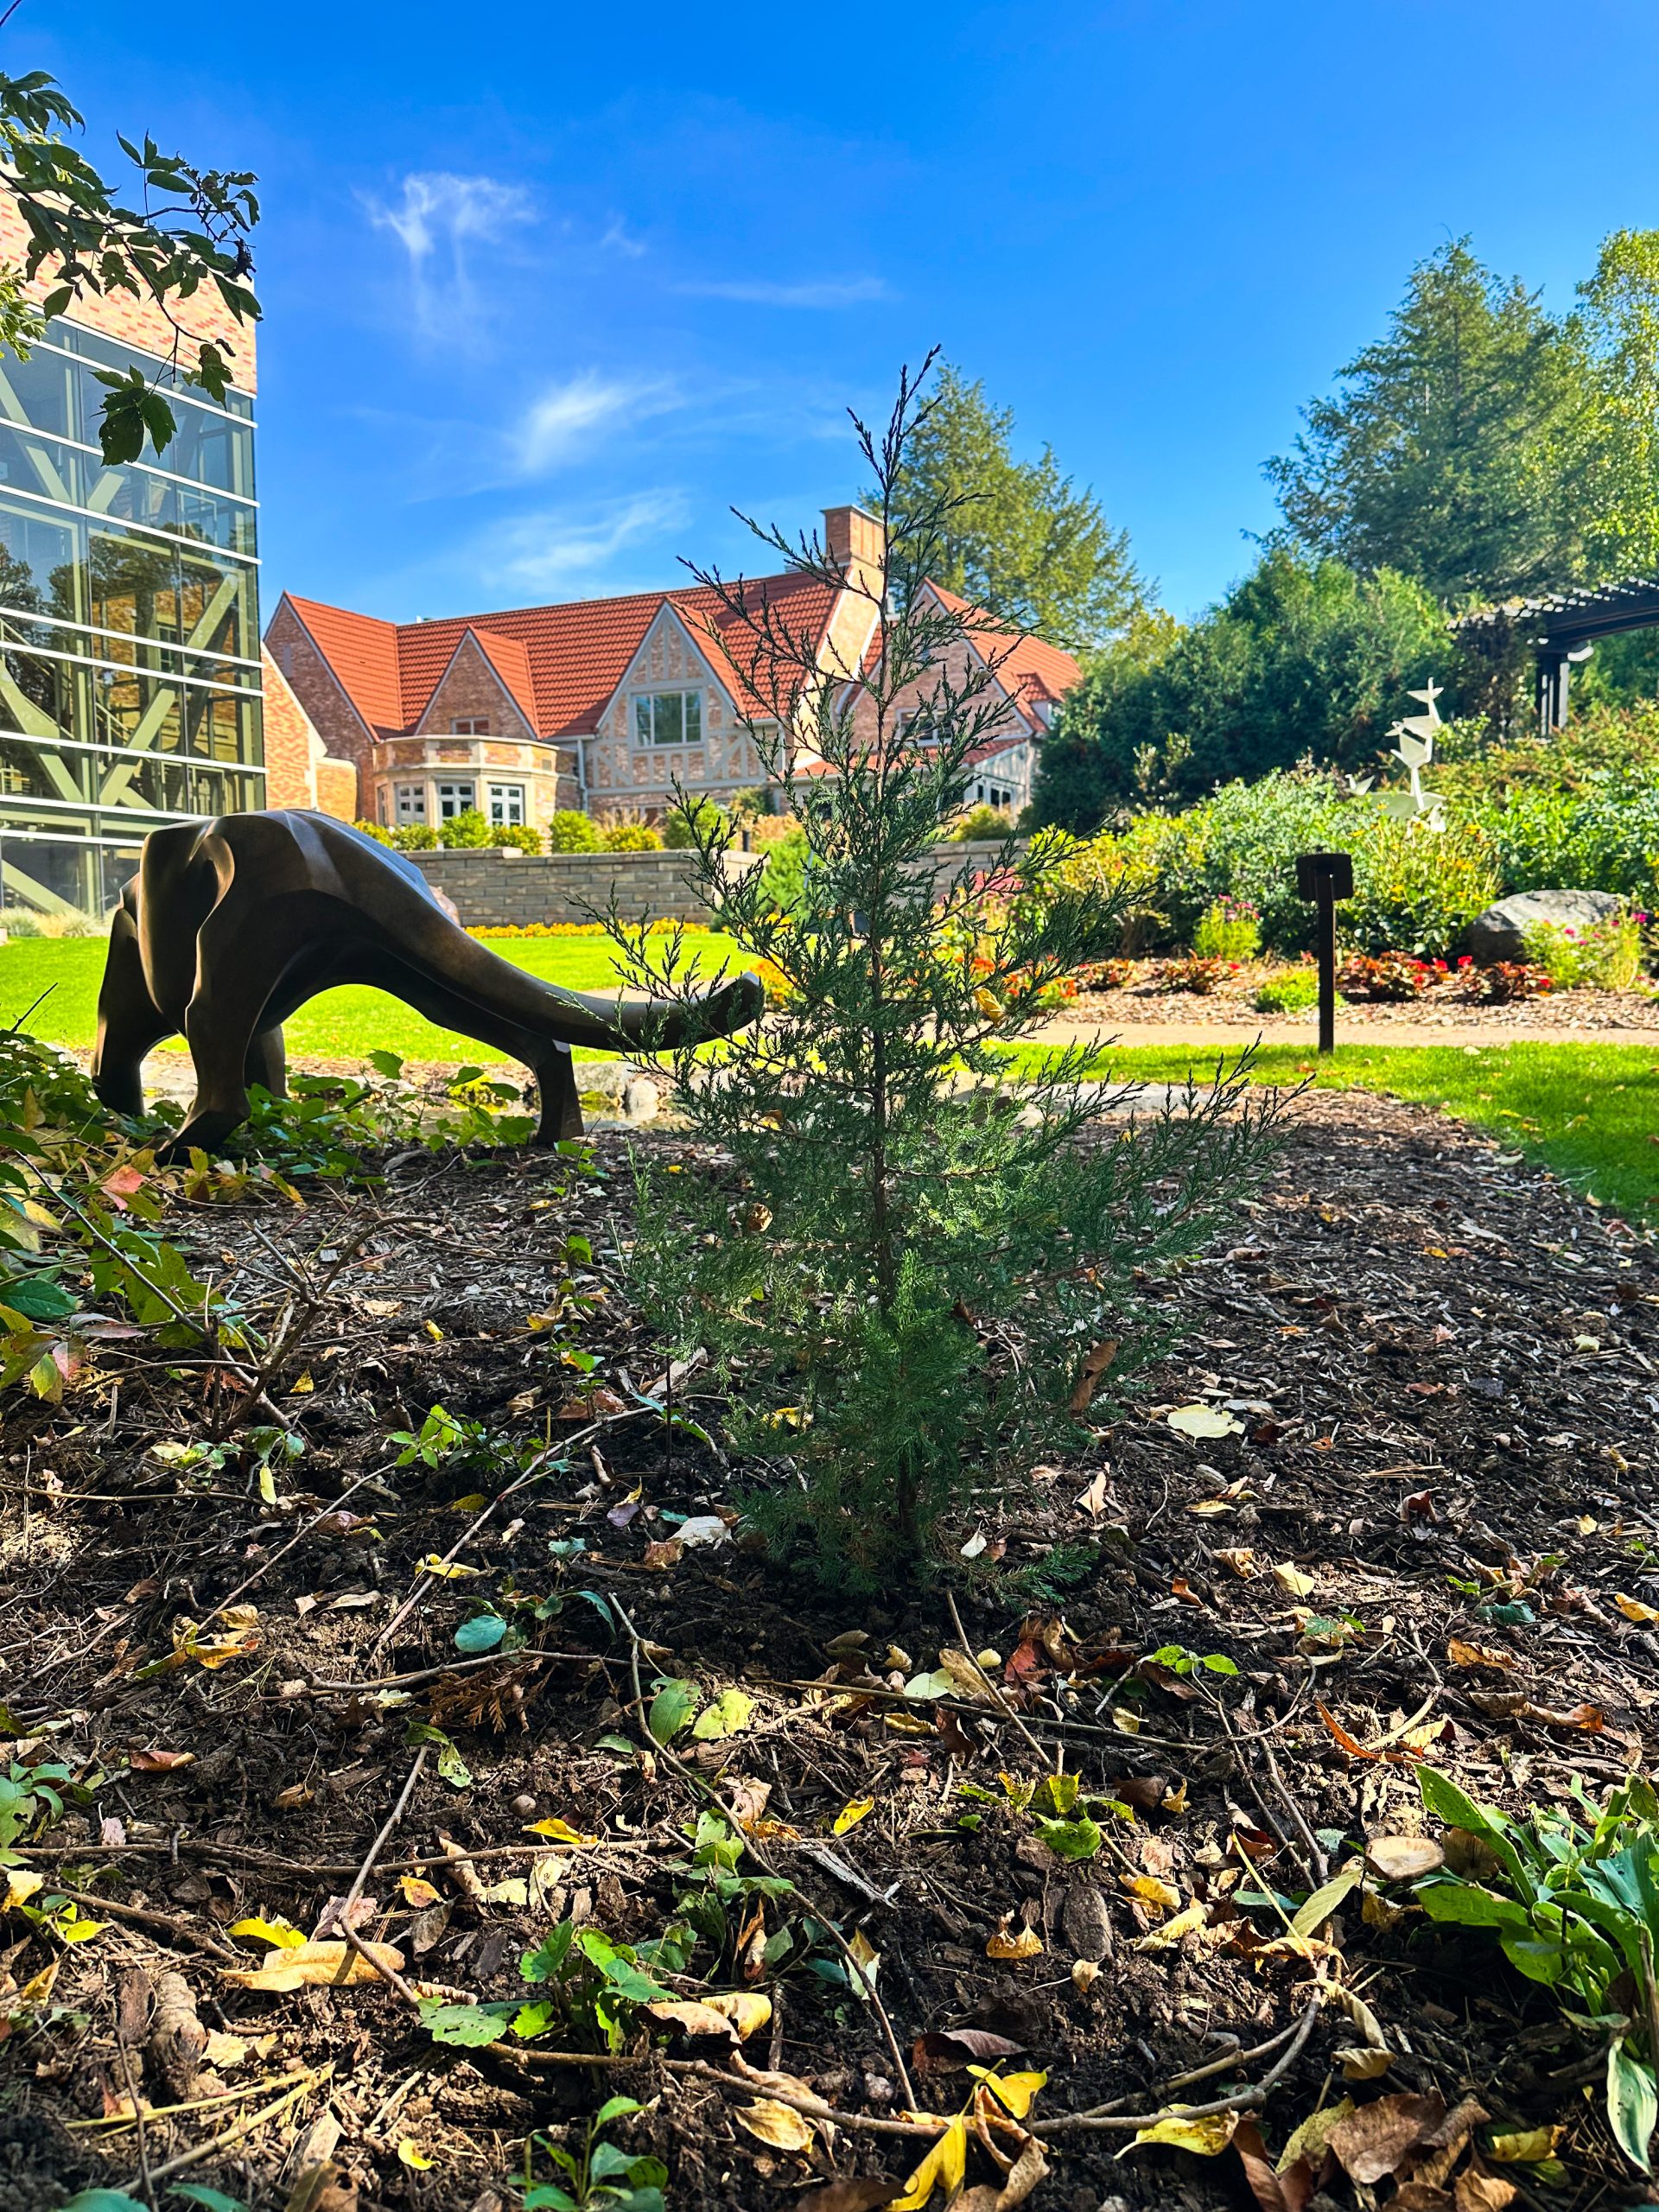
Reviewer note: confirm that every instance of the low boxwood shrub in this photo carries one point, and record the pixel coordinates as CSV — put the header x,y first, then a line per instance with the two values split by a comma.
x,y
571,831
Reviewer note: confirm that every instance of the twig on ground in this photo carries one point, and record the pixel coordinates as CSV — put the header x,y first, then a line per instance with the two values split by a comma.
x,y
242,2127
142,1917
1096,2121
146,2181
342,1913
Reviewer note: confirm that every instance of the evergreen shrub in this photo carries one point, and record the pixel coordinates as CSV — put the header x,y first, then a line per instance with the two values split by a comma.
x,y
908,1274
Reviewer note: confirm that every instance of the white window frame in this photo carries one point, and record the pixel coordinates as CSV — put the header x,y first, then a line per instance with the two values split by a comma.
x,y
469,726
507,807
646,704
410,800
450,801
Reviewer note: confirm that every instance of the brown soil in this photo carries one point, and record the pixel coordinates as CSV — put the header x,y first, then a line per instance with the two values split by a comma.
x,y
1445,1367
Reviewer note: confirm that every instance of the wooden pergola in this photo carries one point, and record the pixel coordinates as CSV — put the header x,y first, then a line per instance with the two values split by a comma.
x,y
1563,630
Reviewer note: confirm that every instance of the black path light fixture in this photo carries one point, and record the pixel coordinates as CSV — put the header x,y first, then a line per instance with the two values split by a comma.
x,y
1322,878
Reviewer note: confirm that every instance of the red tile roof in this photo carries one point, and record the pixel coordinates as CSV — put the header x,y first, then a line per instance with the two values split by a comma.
x,y
562,663
362,653
1028,667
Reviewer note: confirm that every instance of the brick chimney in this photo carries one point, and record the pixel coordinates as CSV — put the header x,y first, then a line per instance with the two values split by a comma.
x,y
853,541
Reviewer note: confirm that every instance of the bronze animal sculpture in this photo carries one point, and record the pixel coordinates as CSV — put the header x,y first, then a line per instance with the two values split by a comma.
x,y
230,925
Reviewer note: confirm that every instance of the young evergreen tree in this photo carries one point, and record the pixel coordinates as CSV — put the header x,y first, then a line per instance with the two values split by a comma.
x,y
1016,536
905,1272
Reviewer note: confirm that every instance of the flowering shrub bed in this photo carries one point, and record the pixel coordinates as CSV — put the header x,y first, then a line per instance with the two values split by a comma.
x,y
1389,977
1507,982
1194,973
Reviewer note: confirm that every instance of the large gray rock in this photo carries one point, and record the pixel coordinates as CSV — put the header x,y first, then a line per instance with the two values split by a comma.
x,y
1500,932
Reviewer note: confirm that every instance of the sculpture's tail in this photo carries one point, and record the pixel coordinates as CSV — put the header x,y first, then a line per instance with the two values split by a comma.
x,y
621,1025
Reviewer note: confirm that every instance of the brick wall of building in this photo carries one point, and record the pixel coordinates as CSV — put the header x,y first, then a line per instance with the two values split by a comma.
x,y
140,322
298,771
491,889
336,720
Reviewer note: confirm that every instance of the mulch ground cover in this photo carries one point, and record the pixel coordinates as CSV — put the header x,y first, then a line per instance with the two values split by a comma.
x,y
1436,1371
1453,1003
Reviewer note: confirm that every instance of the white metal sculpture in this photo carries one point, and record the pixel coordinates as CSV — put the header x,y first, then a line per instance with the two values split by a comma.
x,y
1414,747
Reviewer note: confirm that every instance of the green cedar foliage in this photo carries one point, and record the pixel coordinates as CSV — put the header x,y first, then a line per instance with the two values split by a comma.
x,y
1460,448
896,1275
1303,658
189,232
1016,536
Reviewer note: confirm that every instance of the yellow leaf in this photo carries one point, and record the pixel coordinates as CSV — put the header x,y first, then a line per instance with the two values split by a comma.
x,y
21,1886
907,1724
865,1954
267,1487
277,1934
314,1966
69,1927
303,1388
747,2010
474,1502
1005,1944
1208,2137
1158,1897
691,2017
1634,1610
1175,1802
416,1893
413,2157
943,2168
1185,1923
781,2125
558,1831
1197,1420
1014,2092
1293,1581
237,1637
445,1570
1240,1558
433,1330
851,1813
1531,2147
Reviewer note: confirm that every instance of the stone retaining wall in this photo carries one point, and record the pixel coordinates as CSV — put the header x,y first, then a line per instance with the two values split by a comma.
x,y
493,889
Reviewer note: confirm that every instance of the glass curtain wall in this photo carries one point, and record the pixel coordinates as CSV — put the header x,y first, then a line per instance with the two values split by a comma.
x,y
130,692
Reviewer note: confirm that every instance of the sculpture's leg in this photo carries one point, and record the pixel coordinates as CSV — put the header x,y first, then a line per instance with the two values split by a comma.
x,y
130,1024
233,983
555,1080
267,1064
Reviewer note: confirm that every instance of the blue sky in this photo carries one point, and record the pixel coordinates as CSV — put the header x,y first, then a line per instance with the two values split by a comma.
x,y
549,288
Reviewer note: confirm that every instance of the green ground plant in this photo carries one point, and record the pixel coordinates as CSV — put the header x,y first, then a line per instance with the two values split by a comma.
x,y
1290,991
1572,1898
889,1209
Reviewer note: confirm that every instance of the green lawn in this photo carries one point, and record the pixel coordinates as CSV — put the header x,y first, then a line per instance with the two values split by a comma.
x,y
1585,1111
343,1024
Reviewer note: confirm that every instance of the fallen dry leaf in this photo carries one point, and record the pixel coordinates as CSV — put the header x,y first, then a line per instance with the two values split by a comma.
x,y
1479,1655
1095,1364
1005,1944
1634,1610
1404,1858
780,2125
1208,2137
317,1966
1373,2143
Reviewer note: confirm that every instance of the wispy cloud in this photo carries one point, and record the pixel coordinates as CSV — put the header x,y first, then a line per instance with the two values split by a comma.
x,y
438,217
826,292
562,422
616,237
551,551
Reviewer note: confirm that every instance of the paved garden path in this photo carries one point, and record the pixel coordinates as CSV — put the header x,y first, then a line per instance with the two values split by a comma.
x,y
1230,1036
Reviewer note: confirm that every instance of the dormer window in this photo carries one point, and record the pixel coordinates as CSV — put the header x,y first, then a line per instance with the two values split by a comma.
x,y
668,718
